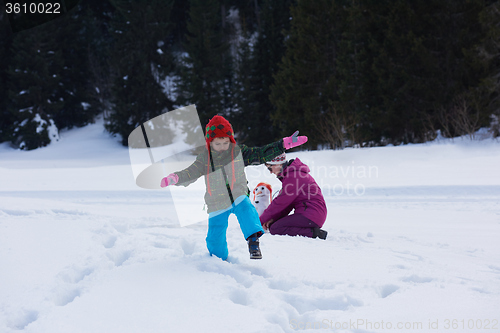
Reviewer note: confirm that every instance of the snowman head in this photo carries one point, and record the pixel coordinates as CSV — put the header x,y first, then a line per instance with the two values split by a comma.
x,y
262,192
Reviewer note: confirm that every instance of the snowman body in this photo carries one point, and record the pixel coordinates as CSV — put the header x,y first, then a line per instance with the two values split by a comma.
x,y
262,196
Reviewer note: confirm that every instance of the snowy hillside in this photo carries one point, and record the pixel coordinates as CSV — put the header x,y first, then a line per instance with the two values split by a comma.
x,y
413,245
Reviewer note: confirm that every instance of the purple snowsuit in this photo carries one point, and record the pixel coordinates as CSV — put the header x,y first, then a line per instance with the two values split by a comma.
x,y
299,192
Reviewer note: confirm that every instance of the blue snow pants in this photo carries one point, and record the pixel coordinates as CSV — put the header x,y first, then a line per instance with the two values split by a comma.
x,y
248,219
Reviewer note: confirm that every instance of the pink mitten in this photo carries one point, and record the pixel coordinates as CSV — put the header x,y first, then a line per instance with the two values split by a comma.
x,y
171,179
294,140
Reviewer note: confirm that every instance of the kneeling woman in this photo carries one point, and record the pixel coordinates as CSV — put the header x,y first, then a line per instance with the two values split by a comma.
x,y
300,192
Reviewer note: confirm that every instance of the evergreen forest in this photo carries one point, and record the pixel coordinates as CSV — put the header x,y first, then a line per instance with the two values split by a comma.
x,y
346,73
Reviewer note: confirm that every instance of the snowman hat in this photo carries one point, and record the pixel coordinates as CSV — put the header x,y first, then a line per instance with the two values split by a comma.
x,y
268,186
280,159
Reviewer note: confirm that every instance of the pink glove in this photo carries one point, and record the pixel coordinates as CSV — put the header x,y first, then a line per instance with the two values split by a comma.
x,y
294,140
171,179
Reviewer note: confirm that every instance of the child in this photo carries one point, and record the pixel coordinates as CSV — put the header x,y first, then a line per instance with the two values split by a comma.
x,y
299,192
222,164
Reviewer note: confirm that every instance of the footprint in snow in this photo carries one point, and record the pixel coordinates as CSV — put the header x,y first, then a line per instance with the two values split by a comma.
x,y
160,245
22,319
240,296
408,256
254,270
109,242
13,212
283,285
224,269
106,236
364,240
417,279
494,269
323,285
188,247
121,228
118,258
75,275
481,290
387,290
66,296
304,304
69,212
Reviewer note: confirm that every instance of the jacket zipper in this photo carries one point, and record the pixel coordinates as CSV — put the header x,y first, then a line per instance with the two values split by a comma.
x,y
225,179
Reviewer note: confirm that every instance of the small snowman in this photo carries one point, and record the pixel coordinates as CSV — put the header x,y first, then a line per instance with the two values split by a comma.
x,y
262,196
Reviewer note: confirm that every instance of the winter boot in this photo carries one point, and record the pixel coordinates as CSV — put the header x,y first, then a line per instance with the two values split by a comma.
x,y
319,233
253,246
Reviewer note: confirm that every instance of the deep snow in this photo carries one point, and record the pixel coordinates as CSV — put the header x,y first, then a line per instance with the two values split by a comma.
x,y
413,245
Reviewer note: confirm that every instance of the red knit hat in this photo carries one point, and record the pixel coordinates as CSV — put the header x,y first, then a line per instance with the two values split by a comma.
x,y
219,127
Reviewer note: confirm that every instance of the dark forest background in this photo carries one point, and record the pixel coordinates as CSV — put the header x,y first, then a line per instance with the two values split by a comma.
x,y
345,73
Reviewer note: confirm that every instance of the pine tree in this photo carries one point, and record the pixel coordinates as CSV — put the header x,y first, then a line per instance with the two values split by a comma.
x,y
432,64
205,71
250,13
241,118
381,69
48,81
306,85
392,71
34,88
141,62
179,19
74,38
351,107
490,52
260,57
6,119
96,17
421,64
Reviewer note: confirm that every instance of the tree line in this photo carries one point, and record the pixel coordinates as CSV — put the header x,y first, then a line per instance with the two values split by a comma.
x,y
343,72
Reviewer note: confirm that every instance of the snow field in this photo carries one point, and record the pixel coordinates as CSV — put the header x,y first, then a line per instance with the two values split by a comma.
x,y
83,249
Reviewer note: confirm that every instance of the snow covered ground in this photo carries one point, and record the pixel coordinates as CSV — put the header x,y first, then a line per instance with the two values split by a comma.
x,y
413,246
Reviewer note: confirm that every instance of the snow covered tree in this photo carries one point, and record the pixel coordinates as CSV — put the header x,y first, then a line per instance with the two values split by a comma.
x,y
436,65
490,51
141,62
244,117
385,70
258,63
96,16
74,38
6,118
205,69
306,82
48,80
35,91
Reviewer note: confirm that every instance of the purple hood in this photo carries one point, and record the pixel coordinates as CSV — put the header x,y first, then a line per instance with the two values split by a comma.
x,y
299,192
